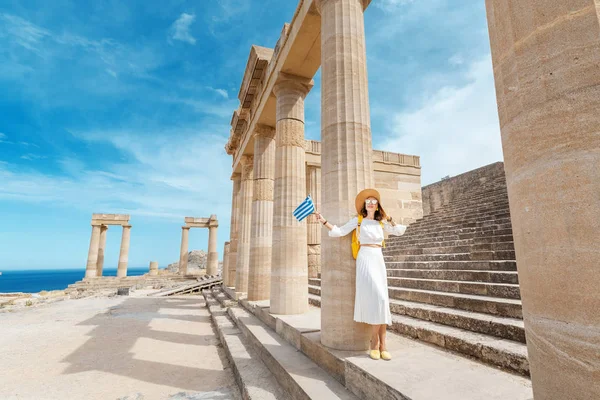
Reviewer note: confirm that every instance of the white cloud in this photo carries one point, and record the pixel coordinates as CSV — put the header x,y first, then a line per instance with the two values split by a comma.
x,y
392,5
222,92
31,157
455,130
24,33
456,59
170,175
2,135
181,28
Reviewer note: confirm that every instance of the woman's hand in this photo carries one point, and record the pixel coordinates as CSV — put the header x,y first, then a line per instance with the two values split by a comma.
x,y
320,217
390,220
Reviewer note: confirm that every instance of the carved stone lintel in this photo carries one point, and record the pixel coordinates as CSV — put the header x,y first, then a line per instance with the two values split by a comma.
x,y
263,190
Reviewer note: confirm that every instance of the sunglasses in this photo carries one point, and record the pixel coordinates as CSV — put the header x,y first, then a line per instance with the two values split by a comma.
x,y
369,201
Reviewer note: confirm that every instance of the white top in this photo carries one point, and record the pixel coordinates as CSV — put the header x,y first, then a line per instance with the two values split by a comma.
x,y
370,230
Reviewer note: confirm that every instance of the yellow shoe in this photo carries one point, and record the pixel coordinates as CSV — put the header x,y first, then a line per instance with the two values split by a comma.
x,y
374,354
385,355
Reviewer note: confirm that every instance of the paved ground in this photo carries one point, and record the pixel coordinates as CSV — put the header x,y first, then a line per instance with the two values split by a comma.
x,y
130,348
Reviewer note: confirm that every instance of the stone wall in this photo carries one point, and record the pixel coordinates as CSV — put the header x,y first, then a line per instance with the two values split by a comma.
x,y
440,193
398,180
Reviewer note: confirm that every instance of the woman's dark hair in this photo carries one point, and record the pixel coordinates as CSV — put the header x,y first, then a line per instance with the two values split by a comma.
x,y
379,214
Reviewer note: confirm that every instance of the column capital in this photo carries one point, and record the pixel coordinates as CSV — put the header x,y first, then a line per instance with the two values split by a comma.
x,y
264,131
319,4
127,226
235,176
103,227
185,227
247,162
287,82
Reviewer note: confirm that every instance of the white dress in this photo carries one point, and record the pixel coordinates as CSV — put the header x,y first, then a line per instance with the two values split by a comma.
x,y
371,304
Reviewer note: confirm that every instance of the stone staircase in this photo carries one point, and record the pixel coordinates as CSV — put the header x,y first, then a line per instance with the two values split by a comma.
x,y
452,279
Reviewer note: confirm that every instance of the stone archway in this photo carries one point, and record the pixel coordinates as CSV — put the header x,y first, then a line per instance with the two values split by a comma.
x,y
212,262
95,261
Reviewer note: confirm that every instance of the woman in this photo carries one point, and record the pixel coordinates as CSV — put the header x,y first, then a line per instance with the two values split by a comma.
x,y
371,305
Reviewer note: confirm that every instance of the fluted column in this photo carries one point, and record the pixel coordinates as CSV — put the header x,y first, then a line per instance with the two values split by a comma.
x,y
101,248
212,262
261,234
313,227
92,260
124,253
243,255
546,56
153,268
346,162
183,251
225,271
234,231
289,269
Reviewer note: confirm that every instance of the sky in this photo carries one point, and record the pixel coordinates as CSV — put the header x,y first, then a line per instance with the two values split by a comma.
x,y
124,107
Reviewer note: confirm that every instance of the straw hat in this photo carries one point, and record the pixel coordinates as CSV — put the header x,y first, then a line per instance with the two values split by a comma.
x,y
363,195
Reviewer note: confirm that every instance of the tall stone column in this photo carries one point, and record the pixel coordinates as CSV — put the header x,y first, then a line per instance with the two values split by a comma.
x,y
313,227
243,253
153,268
124,254
212,262
346,162
225,272
92,260
546,56
101,248
183,252
234,230
289,269
261,233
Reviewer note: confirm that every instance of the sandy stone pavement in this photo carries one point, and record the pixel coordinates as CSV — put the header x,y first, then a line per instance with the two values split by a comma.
x,y
126,348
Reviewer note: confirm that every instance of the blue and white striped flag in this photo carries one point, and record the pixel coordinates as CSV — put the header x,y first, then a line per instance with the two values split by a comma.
x,y
305,208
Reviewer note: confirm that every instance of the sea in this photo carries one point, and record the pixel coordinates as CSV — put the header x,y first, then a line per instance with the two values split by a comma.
x,y
34,281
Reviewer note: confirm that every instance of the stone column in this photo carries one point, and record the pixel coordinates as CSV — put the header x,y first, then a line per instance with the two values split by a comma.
x,y
225,272
243,254
101,247
346,162
183,252
124,254
233,231
313,227
261,233
546,56
289,270
153,268
212,262
92,260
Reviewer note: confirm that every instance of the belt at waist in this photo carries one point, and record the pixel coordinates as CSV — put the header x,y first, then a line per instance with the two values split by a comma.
x,y
371,245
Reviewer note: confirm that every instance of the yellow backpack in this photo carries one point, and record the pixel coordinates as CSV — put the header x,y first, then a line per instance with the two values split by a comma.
x,y
356,235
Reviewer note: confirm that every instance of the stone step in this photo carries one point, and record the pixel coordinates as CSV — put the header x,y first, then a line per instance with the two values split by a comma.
x,y
500,223
501,290
467,256
452,234
254,380
503,353
472,216
456,275
451,249
481,304
502,265
451,242
502,327
300,377
476,204
417,370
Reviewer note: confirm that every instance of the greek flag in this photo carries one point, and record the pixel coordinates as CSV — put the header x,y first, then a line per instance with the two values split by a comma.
x,y
305,208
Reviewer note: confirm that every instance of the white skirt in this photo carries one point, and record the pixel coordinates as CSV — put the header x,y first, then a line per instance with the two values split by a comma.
x,y
371,304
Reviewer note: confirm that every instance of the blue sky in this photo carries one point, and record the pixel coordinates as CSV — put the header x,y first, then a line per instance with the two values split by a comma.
x,y
124,107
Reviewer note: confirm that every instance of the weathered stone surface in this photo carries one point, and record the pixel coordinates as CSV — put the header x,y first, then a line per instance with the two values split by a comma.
x,y
545,56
